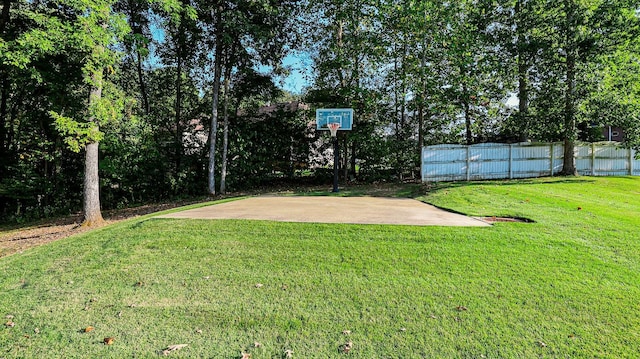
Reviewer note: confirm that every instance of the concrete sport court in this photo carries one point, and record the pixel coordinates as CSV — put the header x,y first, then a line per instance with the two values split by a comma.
x,y
354,210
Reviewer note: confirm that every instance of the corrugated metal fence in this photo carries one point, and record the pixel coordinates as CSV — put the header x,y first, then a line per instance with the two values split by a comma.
x,y
523,160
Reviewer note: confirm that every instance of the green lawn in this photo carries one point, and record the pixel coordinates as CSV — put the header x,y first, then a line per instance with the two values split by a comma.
x,y
566,286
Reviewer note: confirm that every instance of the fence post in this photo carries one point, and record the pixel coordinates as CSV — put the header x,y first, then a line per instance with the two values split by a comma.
x,y
468,164
593,158
631,162
510,161
552,159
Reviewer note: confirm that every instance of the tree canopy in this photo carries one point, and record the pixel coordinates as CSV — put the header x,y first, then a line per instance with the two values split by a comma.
x,y
109,103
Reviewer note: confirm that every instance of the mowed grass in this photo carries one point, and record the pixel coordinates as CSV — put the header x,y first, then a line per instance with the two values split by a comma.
x,y
566,286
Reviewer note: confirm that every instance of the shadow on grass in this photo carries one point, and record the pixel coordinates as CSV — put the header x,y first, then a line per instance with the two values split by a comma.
x,y
387,190
435,186
413,190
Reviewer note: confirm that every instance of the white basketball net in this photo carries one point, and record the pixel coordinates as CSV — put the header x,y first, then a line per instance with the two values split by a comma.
x,y
333,127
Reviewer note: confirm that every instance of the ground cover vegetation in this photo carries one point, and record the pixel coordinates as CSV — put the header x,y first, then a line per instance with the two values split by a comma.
x,y
563,286
113,102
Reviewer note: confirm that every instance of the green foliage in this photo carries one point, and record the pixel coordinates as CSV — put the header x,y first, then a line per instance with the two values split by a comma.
x,y
415,72
76,134
268,146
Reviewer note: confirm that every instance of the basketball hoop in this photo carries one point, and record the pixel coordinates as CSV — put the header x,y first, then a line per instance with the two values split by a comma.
x,y
333,127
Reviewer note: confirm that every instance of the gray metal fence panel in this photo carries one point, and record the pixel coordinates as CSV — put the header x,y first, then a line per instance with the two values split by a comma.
x,y
523,160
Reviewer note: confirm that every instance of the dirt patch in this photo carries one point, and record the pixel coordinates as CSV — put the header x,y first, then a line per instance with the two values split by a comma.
x,y
20,239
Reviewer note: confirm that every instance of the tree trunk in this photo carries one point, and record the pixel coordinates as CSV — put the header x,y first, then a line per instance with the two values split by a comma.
x,y
135,22
143,88
523,77
467,114
420,126
178,104
523,98
4,95
91,206
4,17
354,173
396,114
225,136
569,162
340,45
422,98
343,85
216,99
4,84
91,203
403,113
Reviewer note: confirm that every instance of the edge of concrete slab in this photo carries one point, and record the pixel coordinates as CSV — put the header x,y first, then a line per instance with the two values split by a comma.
x,y
331,209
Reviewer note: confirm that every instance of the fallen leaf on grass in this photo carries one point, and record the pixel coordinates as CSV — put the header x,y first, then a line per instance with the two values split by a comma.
x,y
108,340
88,329
246,355
10,324
9,316
37,331
346,347
284,287
259,285
542,344
403,329
257,345
199,331
172,348
346,332
461,308
288,353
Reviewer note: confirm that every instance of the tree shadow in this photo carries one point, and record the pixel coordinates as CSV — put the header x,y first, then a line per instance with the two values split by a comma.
x,y
435,186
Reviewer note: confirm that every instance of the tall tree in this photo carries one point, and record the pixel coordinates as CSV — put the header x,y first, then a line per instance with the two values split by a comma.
x,y
584,31
137,42
345,45
263,26
96,29
85,32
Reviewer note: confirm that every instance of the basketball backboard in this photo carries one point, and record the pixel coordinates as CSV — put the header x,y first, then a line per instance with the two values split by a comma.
x,y
343,116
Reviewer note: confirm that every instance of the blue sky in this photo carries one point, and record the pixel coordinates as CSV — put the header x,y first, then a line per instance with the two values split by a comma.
x,y
300,66
298,62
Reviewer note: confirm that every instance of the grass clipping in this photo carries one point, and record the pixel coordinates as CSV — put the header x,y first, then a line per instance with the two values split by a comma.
x,y
173,348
